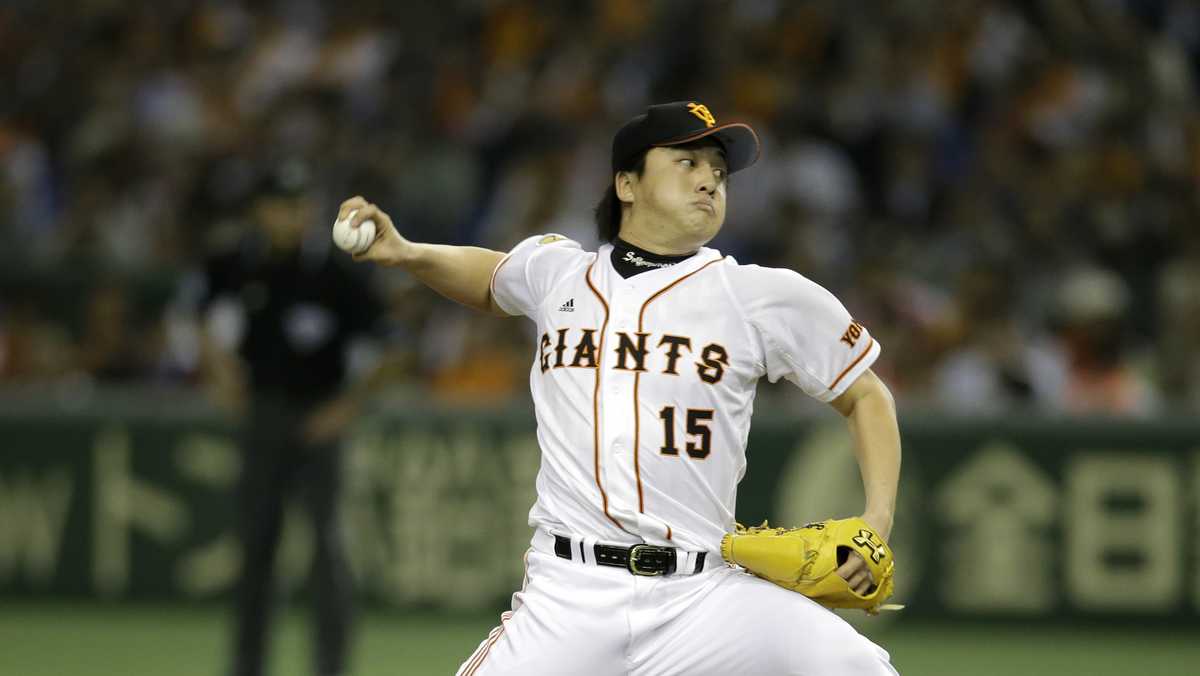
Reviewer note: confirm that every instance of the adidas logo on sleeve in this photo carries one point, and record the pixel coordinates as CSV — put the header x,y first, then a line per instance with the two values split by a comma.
x,y
568,306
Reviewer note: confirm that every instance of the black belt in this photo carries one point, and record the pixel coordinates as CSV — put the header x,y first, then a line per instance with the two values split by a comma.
x,y
640,559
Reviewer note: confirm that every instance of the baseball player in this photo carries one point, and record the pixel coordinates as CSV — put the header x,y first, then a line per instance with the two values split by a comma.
x,y
643,379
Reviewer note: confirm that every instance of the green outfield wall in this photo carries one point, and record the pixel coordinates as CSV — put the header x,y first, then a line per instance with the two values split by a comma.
x,y
1018,518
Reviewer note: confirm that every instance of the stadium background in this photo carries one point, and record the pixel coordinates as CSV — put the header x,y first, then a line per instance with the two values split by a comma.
x,y
1004,192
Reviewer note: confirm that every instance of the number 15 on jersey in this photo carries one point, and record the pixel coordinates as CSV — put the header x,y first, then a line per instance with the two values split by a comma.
x,y
699,442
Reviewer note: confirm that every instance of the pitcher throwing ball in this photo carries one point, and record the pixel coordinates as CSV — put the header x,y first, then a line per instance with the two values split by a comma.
x,y
643,380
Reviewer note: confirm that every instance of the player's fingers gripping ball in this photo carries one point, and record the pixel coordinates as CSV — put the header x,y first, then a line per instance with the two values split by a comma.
x,y
353,240
806,560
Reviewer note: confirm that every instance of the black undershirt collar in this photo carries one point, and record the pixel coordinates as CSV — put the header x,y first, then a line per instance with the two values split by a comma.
x,y
629,260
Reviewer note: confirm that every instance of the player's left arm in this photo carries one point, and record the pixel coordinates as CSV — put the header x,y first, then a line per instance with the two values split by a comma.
x,y
870,411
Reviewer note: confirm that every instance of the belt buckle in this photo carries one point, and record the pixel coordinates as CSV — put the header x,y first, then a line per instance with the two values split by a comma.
x,y
635,555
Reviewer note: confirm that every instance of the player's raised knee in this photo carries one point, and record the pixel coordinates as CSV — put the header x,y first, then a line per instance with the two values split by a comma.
x,y
857,656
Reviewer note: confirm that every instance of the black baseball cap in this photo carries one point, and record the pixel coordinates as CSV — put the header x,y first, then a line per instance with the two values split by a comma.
x,y
670,124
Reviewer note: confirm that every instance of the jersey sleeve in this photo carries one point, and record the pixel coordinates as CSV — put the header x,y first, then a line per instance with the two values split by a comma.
x,y
524,277
807,335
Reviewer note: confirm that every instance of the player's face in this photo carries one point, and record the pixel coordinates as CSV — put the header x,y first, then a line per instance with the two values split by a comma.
x,y
683,190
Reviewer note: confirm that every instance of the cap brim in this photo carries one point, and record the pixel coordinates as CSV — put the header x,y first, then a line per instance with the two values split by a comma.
x,y
742,147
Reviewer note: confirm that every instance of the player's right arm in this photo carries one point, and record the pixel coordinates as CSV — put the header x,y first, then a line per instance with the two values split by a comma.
x,y
461,273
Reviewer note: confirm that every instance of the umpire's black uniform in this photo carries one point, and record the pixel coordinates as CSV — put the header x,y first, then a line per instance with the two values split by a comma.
x,y
301,308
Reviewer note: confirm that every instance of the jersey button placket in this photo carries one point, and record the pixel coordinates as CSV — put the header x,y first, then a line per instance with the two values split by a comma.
x,y
617,418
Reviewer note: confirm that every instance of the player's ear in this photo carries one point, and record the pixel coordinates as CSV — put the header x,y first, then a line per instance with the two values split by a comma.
x,y
623,183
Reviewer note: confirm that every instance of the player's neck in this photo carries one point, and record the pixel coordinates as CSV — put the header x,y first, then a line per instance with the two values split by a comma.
x,y
638,239
629,260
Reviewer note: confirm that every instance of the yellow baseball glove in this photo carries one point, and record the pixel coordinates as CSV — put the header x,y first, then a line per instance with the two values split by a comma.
x,y
806,560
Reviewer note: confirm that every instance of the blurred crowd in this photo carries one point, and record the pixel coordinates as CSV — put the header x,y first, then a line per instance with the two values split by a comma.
x,y
1004,192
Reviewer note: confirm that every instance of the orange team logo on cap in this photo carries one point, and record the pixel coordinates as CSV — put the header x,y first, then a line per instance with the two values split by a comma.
x,y
701,111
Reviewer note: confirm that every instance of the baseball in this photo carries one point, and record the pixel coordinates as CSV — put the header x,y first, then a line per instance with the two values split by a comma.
x,y
353,240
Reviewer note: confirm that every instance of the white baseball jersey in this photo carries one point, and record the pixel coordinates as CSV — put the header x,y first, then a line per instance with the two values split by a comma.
x,y
644,387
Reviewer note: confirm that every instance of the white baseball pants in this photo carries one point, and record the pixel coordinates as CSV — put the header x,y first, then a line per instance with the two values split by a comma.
x,y
587,620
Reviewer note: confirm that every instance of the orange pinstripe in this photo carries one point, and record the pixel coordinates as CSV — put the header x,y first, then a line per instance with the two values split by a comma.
x,y
637,426
587,275
637,377
492,281
853,364
481,652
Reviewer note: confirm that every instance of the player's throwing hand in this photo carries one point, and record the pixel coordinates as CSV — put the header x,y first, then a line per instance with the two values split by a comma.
x,y
389,247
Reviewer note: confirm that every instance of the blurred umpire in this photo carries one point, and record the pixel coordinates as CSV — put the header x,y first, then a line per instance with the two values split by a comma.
x,y
282,315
